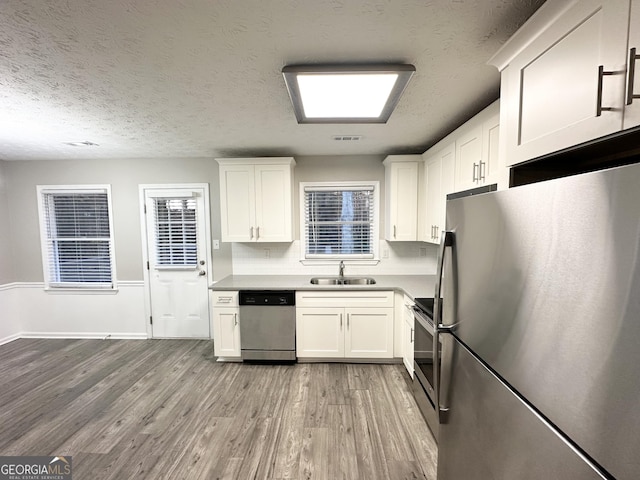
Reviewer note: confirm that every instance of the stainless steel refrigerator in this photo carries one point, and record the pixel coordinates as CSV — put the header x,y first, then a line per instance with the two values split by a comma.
x,y
539,376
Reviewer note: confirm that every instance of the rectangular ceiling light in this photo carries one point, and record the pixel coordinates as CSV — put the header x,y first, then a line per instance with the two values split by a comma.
x,y
346,94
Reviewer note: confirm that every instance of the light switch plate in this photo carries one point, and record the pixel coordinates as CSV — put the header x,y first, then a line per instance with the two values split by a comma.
x,y
216,244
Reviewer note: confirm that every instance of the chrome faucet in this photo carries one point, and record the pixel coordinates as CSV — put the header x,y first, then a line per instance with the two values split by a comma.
x,y
341,273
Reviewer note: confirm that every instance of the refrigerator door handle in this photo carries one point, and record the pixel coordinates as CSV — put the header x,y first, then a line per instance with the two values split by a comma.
x,y
446,240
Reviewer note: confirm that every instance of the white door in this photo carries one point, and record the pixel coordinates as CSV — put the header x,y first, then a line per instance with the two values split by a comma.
x,y
176,232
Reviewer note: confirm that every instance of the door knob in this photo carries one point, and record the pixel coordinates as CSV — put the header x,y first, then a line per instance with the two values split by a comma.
x,y
202,273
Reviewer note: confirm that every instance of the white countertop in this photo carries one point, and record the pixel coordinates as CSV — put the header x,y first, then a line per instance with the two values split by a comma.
x,y
414,286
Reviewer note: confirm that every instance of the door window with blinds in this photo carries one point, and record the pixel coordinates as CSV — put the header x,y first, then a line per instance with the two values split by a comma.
x,y
339,220
176,239
77,236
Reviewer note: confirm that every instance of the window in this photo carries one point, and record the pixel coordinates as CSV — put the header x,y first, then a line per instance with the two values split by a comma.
x,y
339,220
176,241
77,236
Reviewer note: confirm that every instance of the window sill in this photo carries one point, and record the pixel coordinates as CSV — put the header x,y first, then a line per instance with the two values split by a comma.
x,y
336,261
80,291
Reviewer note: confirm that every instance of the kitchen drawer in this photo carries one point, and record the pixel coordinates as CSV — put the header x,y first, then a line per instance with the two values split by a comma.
x,y
344,299
224,299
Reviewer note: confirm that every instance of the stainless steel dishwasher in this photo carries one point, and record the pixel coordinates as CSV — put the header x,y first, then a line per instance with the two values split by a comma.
x,y
268,325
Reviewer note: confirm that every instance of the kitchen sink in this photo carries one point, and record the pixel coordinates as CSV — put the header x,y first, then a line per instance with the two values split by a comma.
x,y
343,281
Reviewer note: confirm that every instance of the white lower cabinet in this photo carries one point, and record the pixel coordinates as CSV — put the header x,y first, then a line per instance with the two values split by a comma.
x,y
324,330
225,321
320,332
408,325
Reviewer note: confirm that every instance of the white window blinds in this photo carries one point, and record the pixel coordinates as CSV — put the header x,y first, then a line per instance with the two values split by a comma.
x,y
176,241
77,238
339,221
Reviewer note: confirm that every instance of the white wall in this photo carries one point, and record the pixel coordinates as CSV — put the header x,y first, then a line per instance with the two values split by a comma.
x,y
6,266
124,176
9,318
80,315
410,258
10,327
25,308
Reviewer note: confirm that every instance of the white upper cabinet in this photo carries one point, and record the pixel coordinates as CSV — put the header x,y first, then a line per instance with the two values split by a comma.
x,y
256,199
632,105
438,182
401,191
477,161
563,77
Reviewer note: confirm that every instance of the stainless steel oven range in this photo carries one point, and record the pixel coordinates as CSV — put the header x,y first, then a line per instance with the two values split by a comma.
x,y
424,380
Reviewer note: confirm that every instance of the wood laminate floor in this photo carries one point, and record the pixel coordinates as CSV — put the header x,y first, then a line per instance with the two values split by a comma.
x,y
164,409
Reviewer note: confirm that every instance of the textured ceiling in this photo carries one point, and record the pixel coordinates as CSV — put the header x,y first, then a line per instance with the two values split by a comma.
x,y
201,78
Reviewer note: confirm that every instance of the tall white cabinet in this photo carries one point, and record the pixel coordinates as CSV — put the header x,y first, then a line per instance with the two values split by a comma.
x,y
438,180
564,76
256,199
401,191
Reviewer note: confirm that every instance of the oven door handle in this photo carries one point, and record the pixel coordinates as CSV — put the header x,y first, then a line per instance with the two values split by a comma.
x,y
447,241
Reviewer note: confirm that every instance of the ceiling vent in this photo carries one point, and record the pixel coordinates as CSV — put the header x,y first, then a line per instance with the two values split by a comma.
x,y
347,138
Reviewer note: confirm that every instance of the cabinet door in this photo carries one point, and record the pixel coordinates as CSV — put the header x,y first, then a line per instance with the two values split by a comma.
x,y
274,219
403,202
407,337
447,186
369,333
226,332
433,170
468,159
632,111
237,203
490,164
552,85
320,332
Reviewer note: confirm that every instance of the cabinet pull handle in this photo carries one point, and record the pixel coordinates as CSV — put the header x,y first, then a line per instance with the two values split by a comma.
x,y
411,336
601,74
340,321
257,233
475,172
482,171
251,233
632,74
348,315
394,231
235,319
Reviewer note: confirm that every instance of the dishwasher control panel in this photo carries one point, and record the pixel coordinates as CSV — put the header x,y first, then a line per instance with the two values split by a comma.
x,y
267,298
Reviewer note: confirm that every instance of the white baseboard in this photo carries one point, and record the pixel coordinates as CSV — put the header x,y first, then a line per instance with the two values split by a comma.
x,y
10,338
87,335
